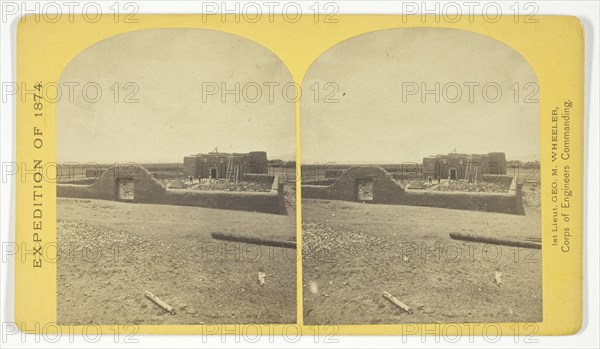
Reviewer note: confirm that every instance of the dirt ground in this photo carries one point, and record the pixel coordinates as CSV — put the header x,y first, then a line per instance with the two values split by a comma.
x,y
352,252
110,253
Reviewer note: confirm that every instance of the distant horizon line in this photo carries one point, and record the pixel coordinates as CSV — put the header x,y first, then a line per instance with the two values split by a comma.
x,y
275,159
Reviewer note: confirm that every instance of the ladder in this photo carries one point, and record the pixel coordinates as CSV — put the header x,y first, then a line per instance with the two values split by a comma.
x,y
471,172
469,168
229,173
233,171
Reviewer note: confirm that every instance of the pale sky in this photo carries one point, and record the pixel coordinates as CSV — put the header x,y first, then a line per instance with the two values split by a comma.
x,y
171,120
372,124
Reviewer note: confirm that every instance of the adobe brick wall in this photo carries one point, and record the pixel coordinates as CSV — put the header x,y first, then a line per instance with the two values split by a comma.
x,y
491,202
388,191
74,191
255,162
267,202
385,189
148,190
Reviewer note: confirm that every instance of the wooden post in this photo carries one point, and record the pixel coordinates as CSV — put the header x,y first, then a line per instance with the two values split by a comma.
x,y
396,302
253,240
160,303
495,241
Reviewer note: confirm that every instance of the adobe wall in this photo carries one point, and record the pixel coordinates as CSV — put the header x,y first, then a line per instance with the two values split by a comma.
x,y
190,167
491,202
385,189
266,202
148,190
254,162
483,164
499,160
388,191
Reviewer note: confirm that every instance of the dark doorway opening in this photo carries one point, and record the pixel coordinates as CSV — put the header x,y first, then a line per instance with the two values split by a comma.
x,y
365,190
126,189
452,173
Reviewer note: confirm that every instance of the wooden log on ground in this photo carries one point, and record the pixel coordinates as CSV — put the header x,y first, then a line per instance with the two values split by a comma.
x,y
160,303
495,241
253,240
396,302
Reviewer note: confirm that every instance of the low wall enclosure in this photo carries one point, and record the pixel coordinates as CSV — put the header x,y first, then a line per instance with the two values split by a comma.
x,y
374,184
133,183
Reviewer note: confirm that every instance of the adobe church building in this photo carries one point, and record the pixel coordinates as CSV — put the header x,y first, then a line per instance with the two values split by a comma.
x,y
471,167
232,166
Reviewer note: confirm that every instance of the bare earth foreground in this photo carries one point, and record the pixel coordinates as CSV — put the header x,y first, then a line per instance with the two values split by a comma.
x,y
352,252
111,253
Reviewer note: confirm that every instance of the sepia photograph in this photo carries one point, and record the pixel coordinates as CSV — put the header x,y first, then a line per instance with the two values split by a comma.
x,y
176,197
303,174
420,181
